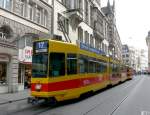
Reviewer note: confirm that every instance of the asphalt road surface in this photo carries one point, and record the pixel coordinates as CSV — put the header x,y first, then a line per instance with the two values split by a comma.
x,y
129,98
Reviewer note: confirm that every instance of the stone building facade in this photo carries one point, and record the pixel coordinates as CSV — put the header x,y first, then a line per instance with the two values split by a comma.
x,y
21,22
84,22
115,45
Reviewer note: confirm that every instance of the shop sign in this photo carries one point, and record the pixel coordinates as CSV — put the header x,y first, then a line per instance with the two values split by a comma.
x,y
25,55
28,54
84,46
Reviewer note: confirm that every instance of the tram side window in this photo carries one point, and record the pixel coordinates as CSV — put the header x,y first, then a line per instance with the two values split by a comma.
x,y
118,68
101,67
71,64
92,66
113,67
98,68
57,64
83,64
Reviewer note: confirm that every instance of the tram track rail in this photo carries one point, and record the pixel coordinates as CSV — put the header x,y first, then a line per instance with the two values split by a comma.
x,y
118,104
39,109
116,107
12,101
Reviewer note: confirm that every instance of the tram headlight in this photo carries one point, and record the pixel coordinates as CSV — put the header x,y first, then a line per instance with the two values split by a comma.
x,y
38,87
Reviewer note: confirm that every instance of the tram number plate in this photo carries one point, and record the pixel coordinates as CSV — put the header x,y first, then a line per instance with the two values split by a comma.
x,y
41,46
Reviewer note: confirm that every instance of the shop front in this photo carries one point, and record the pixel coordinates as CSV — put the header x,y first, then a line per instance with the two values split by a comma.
x,y
3,73
25,67
8,70
8,60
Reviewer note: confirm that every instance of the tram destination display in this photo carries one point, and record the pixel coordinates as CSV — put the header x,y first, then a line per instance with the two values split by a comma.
x,y
41,47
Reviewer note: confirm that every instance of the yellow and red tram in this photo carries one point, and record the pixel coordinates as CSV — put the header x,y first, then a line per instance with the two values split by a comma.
x,y
64,71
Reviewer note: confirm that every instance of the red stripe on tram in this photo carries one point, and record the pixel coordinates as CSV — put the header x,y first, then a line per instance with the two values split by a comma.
x,y
70,84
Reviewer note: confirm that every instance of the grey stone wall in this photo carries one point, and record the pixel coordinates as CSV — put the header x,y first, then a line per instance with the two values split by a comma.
x,y
12,66
20,29
17,10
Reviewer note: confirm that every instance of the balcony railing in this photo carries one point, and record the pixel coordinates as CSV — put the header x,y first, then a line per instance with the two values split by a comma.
x,y
75,9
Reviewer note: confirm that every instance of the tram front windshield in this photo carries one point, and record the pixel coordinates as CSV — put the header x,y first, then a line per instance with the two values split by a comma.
x,y
39,65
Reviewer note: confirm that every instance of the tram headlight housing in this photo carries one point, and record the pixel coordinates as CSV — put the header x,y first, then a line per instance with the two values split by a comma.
x,y
38,87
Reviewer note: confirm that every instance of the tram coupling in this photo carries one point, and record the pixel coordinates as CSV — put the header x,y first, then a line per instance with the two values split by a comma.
x,y
34,100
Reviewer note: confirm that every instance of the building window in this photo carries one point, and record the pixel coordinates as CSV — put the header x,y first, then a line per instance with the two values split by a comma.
x,y
38,16
45,18
6,4
91,41
78,4
65,23
106,49
64,2
59,19
30,12
86,38
86,10
80,34
91,16
127,55
96,44
22,7
103,47
2,3
21,43
29,41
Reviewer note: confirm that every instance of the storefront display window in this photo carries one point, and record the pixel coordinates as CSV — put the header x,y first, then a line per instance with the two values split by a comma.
x,y
24,75
3,78
28,69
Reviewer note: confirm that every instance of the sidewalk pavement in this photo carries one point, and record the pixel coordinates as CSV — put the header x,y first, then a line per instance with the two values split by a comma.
x,y
8,97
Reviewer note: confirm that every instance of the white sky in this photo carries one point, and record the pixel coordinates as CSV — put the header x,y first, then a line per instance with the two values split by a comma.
x,y
133,21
